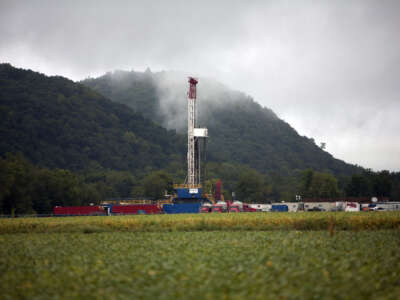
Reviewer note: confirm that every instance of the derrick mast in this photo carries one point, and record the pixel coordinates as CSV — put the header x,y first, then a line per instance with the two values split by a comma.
x,y
190,196
191,176
194,137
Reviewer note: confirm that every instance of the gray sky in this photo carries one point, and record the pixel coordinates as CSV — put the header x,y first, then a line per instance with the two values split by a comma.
x,y
329,68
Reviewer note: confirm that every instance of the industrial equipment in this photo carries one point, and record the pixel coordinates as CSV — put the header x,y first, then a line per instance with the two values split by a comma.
x,y
191,191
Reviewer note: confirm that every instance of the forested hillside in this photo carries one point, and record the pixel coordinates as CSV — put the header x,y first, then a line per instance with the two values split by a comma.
x,y
241,131
65,144
57,123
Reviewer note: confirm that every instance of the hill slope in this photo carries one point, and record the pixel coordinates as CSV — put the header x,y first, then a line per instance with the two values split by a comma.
x,y
57,123
241,131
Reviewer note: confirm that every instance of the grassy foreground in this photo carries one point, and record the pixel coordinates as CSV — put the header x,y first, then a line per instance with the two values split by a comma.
x,y
201,265
212,256
207,222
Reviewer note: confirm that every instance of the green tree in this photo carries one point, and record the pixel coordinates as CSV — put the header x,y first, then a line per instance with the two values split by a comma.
x,y
55,188
156,184
305,183
16,185
382,184
318,185
358,186
250,187
89,194
395,192
324,185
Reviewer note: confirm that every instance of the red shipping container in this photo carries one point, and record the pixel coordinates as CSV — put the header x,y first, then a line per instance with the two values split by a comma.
x,y
78,210
136,209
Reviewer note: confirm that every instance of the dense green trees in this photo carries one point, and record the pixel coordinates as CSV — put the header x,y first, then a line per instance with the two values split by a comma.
x,y
157,184
365,184
250,187
57,123
368,183
358,186
26,189
318,185
154,185
29,189
16,175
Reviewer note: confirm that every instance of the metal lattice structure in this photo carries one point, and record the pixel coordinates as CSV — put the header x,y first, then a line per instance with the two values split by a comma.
x,y
194,137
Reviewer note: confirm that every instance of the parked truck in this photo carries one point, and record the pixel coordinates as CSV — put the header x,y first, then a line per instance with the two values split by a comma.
x,y
235,206
220,207
206,208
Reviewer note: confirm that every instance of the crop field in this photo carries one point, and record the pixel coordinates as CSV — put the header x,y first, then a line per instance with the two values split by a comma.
x,y
207,222
354,256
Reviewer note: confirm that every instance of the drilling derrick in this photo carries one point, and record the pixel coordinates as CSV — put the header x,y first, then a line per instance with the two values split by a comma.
x,y
189,196
191,175
195,135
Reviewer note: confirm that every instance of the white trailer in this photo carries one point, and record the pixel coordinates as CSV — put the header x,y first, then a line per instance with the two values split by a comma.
x,y
261,207
294,206
352,206
385,206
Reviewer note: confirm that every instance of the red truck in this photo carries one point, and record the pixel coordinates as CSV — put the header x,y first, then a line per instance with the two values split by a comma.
x,y
220,207
205,208
235,206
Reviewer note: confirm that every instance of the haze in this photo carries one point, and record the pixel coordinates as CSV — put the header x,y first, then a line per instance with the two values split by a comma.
x,y
331,69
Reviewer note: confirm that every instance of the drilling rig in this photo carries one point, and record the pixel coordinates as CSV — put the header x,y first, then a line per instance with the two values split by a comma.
x,y
195,136
191,190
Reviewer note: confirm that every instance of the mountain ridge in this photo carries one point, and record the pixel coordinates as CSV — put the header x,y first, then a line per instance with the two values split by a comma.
x,y
240,129
58,123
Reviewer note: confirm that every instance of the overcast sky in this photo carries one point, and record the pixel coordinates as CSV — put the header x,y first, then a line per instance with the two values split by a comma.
x,y
329,68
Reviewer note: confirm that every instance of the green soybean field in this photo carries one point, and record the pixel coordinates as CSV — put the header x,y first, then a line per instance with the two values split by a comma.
x,y
216,256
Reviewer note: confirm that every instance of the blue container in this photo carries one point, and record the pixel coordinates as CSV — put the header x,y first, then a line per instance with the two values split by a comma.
x,y
182,208
189,193
279,207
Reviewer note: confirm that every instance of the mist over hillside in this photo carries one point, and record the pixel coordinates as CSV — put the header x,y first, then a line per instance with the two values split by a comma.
x,y
162,96
240,130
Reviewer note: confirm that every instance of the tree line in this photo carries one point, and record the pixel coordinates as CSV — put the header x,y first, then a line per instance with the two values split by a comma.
x,y
29,189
